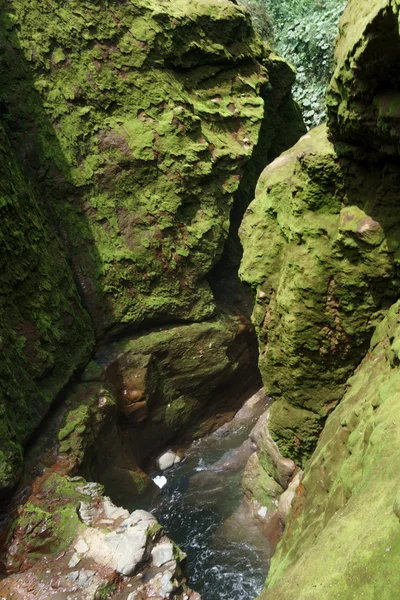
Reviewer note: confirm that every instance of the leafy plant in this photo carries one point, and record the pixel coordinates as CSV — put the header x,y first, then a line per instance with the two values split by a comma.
x,y
303,32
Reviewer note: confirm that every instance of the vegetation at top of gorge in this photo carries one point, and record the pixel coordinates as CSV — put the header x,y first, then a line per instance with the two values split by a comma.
x,y
303,32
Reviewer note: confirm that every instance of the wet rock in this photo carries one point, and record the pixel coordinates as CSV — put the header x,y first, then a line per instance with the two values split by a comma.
x,y
162,553
286,499
167,460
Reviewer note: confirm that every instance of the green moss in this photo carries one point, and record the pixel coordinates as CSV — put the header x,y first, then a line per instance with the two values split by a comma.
x,y
91,408
344,536
150,165
45,332
258,483
319,251
363,98
54,514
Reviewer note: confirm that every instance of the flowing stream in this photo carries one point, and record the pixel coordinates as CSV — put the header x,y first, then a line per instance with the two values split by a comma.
x,y
201,508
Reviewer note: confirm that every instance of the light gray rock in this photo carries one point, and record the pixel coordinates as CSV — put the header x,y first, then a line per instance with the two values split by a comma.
x,y
164,584
162,553
81,546
166,460
114,512
128,544
75,560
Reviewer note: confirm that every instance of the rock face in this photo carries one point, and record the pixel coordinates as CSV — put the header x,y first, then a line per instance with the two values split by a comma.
x,y
129,132
45,333
363,97
344,534
145,115
321,243
320,248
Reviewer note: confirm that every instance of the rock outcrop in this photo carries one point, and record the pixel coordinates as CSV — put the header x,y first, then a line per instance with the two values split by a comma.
x,y
45,333
343,536
321,251
82,546
130,132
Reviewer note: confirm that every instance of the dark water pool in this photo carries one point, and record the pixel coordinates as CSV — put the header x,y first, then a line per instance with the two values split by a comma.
x,y
201,509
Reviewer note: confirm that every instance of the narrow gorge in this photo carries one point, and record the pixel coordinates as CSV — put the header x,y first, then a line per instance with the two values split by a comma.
x,y
199,307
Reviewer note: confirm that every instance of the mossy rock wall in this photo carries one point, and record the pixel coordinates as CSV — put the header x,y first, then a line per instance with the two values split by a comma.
x,y
128,129
321,248
363,97
139,119
343,538
45,332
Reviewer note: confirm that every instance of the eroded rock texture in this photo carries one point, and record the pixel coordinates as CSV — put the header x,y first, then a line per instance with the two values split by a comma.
x,y
343,537
321,250
321,247
133,129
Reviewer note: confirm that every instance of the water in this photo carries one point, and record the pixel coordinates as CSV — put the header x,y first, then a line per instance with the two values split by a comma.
x,y
201,509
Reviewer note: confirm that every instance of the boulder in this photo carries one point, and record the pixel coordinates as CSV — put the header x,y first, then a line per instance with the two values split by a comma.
x,y
162,553
320,253
167,460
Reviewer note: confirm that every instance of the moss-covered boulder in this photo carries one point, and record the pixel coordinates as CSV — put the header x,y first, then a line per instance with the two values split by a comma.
x,y
126,131
139,118
321,249
45,334
363,97
343,539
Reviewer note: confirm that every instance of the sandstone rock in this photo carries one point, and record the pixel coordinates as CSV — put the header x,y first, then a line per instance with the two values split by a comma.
x,y
286,499
318,241
345,501
259,484
361,109
162,553
281,468
131,200
52,317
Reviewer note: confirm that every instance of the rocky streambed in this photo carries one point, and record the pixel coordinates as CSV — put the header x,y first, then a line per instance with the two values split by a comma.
x,y
198,536
202,507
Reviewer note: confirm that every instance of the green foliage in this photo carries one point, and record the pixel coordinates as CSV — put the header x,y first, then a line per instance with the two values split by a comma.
x,y
303,33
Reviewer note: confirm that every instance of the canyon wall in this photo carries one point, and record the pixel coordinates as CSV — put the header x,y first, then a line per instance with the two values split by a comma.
x,y
130,131
321,252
